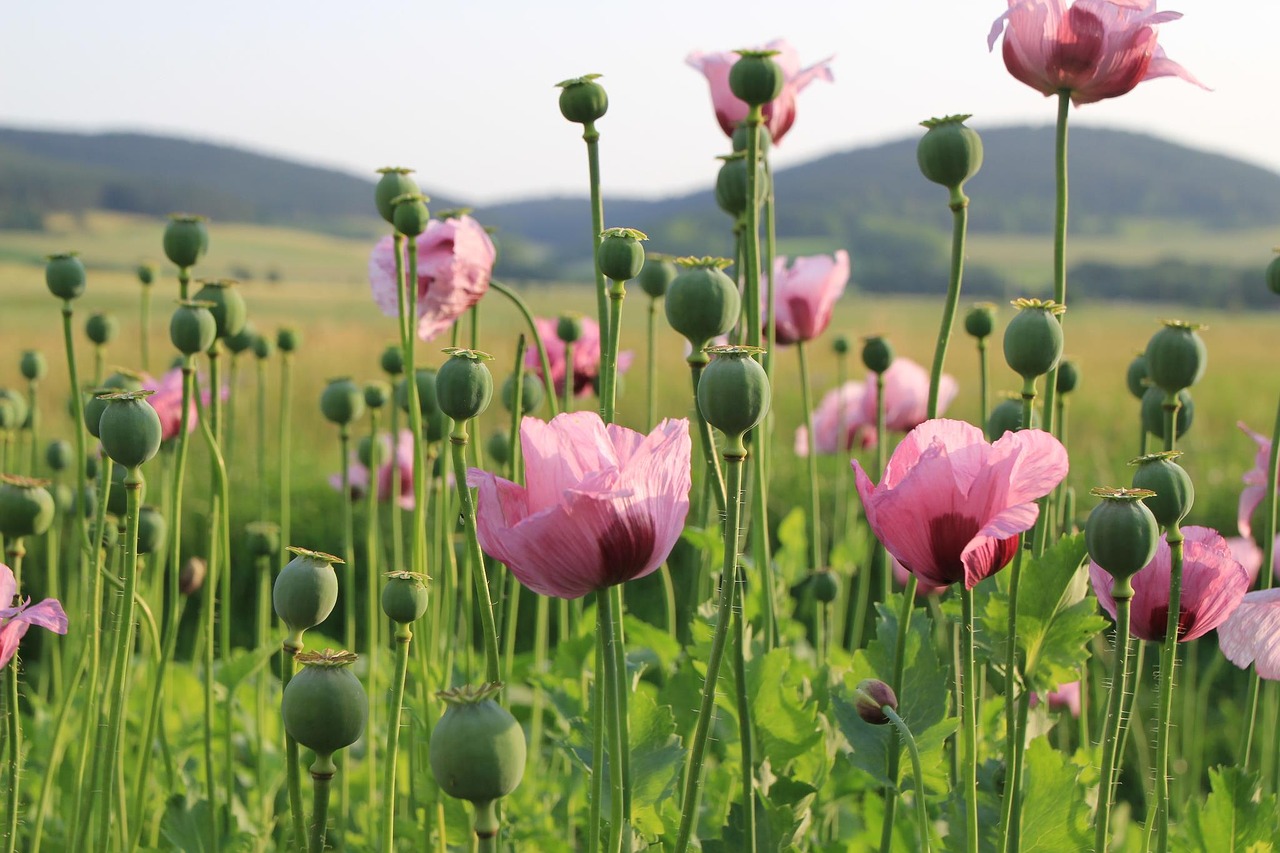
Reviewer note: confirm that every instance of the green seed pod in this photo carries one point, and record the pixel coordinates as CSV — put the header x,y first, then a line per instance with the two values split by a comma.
x,y
130,428
263,347
531,393
305,591
825,586
324,707
153,530
392,360
869,699
89,502
191,575
877,355
981,320
186,239
404,597
740,138
26,507
1153,412
146,274
620,255
733,392
364,451
582,99
1006,416
1273,274
117,499
123,379
288,339
91,467
376,394
393,183
1068,377
410,214
192,328
569,328
64,275
840,345
228,308
1176,356
1174,491
1033,338
434,420
702,302
58,455
1121,534
341,402
755,78
242,340
656,276
94,407
262,538
464,385
110,531
1137,377
477,749
101,328
498,448
14,411
33,365
731,184
949,153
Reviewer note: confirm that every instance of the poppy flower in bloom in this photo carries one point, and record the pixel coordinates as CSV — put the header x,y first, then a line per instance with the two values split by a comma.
x,y
805,294
455,261
1094,49
951,506
15,620
1255,481
358,474
780,113
906,395
603,504
901,576
1213,583
586,356
167,401
1249,555
838,423
1251,634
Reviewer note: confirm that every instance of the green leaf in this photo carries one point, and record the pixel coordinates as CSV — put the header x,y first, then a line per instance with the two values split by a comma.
x,y
791,560
784,715
783,816
1235,817
243,663
1055,817
657,757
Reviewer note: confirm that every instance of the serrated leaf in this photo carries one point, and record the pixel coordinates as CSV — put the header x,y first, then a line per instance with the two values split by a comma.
x,y
1235,817
784,718
1055,817
782,816
657,759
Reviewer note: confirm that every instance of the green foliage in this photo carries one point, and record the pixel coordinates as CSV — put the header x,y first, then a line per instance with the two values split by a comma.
x,y
1055,816
1237,816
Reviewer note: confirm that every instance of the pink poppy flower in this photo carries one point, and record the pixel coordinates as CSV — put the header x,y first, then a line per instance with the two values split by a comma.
x,y
1095,49
455,260
1251,634
167,401
1249,555
805,294
15,620
924,589
358,475
1213,583
951,506
603,504
840,408
1255,481
1065,697
586,356
780,113
906,395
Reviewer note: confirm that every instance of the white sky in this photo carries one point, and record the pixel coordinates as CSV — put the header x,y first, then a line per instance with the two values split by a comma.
x,y
463,91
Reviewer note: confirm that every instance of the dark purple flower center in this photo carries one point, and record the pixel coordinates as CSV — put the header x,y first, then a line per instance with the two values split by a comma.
x,y
626,546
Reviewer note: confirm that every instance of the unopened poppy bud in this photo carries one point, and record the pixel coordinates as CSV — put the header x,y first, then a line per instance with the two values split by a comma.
x,y
263,348
64,275
404,597
130,428
410,215
191,575
740,138
15,409
1273,274
499,448
305,591
464,385
146,274
262,538
477,749
569,328
241,340
755,78
393,183
228,308
1174,491
1153,412
392,360
980,322
186,239
26,507
364,451
870,698
101,328
840,345
1121,534
58,455
288,339
1068,377
1006,416
656,276
620,256
702,302
531,393
949,153
192,328
376,394
825,586
33,365
1033,338
341,401
1176,356
733,391
877,355
582,99
324,707
153,530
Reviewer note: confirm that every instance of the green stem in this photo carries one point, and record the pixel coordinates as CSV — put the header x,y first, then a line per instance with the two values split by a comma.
x,y
567,400
1267,577
770,242
403,637
651,401
347,577
293,771
960,224
622,699
492,666
613,715
59,747
1168,664
697,362
322,771
895,749
815,518
15,728
408,316
969,722
983,394
746,735
537,340
262,437
922,815
144,337
1059,243
597,741
486,826
33,395
881,557
591,136
617,292
376,633
1115,710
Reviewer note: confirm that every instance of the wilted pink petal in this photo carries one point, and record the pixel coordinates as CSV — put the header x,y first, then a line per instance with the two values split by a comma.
x,y
838,423
805,294
1251,634
16,618
906,395
1255,480
602,505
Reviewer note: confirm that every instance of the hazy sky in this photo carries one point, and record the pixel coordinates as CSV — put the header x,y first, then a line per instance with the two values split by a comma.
x,y
464,91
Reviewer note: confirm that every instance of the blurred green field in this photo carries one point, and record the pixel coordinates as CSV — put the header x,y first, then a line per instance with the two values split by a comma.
x,y
322,293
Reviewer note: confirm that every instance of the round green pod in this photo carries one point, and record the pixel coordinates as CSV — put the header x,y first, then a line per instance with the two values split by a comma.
x,y
1121,534
980,320
243,340
94,406
733,391
1006,416
825,586
410,214
288,339
393,182
1176,357
33,365
620,255
1174,492
702,303
656,275
130,429
64,275
532,392
153,530
877,354
186,239
101,328
1153,412
26,507
262,538
740,138
755,78
306,591
324,707
569,328
228,306
392,360
1136,378
464,386
1068,377
263,347
1273,275
477,750
13,413
59,455
404,597
192,328
583,100
498,448
949,153
146,274
376,394
341,402
1033,338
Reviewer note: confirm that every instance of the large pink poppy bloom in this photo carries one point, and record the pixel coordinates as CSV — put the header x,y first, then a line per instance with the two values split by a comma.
x,y
838,423
1095,49
1212,585
780,113
455,260
1255,481
1249,555
358,475
1251,634
586,356
901,577
603,504
805,294
16,619
951,506
906,395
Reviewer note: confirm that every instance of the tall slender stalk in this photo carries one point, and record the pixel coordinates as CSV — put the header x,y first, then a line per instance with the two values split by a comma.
x,y
492,665
1111,734
1168,665
968,722
591,136
286,439
815,518
618,827
983,393
322,770
16,552
376,635
293,771
543,360
1059,243
651,365
922,815
1266,581
404,635
746,735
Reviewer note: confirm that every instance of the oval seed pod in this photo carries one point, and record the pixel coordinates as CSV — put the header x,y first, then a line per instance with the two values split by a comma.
x,y
191,575
26,507
94,406
394,181
228,307
101,328
1121,533
410,214
130,428
376,394
1136,377
192,328
263,347
186,239
825,586
110,531
262,538
702,302
740,138
1068,377
306,591
731,185
1153,412
569,328
146,274
464,385
364,451
949,153
288,339
64,275
324,706
14,411
1176,356
1006,416
980,322
434,421
498,448
1033,338
477,750
1174,493
341,402
123,379
877,354
58,455
840,344
621,255
117,500
531,394
656,275
404,597
755,78
242,340
392,360
733,392
33,365
582,99
153,530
